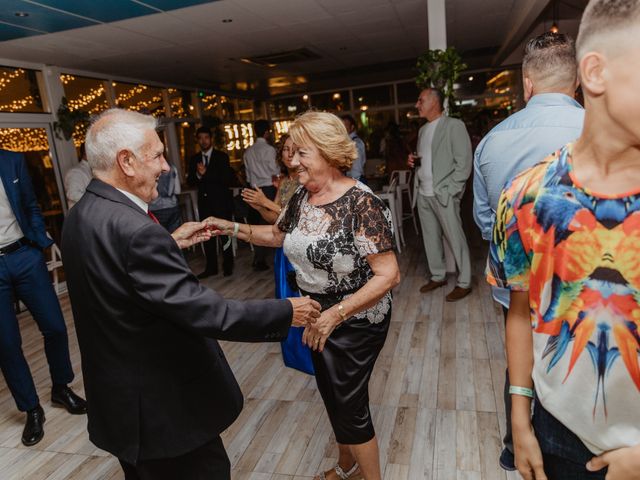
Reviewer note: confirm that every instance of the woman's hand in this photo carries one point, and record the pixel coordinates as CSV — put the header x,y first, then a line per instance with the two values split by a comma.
x,y
218,226
315,336
191,233
254,197
623,463
528,454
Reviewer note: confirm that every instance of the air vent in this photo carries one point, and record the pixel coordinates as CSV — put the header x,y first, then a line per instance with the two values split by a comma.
x,y
275,59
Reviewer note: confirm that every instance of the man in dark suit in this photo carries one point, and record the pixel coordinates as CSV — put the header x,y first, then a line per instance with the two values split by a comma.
x,y
158,386
210,171
23,273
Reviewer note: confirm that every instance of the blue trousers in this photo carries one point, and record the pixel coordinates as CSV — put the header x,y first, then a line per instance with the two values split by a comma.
x,y
23,273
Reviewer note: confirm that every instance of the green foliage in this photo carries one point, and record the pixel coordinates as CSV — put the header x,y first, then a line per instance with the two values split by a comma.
x,y
440,69
68,119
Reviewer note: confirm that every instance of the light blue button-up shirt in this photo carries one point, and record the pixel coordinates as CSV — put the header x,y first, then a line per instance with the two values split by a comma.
x,y
548,122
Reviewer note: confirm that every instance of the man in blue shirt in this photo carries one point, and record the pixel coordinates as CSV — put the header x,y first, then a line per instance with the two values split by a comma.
x,y
357,168
551,119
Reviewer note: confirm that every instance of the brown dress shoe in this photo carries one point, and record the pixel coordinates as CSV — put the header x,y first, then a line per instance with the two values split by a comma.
x,y
457,294
432,285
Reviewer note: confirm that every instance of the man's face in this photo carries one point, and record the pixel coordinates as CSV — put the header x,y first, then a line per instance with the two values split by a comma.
x,y
425,103
621,91
204,140
148,165
347,125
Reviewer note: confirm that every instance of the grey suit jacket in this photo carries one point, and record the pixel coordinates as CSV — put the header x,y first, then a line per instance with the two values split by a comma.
x,y
451,159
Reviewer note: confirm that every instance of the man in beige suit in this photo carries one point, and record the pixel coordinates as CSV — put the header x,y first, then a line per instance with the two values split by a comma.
x,y
444,149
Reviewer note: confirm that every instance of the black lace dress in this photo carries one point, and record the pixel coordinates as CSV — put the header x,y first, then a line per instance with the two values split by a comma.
x,y
328,246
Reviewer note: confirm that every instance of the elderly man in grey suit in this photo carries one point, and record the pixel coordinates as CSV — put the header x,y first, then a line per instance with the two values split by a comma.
x,y
444,149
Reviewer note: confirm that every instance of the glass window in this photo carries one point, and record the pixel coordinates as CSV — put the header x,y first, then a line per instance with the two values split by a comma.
x,y
217,106
238,137
180,101
19,91
288,108
407,92
141,98
371,128
245,110
373,96
331,101
34,144
85,94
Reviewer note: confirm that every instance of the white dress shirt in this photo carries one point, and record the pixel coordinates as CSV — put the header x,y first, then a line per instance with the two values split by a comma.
x,y
76,181
260,164
135,199
10,231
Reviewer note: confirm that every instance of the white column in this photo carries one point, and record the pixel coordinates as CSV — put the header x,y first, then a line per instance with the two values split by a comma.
x,y
437,22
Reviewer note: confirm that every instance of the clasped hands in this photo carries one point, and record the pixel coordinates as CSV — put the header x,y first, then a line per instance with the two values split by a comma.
x,y
317,325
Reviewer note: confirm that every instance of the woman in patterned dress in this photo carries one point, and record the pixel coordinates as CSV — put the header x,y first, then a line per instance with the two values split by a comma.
x,y
294,353
338,236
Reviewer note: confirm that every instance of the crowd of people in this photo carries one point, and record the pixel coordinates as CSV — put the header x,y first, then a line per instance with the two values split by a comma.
x,y
556,196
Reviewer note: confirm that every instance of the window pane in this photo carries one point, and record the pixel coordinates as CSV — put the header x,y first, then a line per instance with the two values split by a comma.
x,y
34,144
287,108
218,106
245,110
331,101
180,101
19,91
373,96
87,95
407,92
238,136
141,98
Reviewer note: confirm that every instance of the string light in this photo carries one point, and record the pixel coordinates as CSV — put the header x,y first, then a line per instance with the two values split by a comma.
x,y
9,75
17,105
24,139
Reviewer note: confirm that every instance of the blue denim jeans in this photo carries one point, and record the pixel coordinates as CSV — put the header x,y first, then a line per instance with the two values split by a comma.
x,y
564,455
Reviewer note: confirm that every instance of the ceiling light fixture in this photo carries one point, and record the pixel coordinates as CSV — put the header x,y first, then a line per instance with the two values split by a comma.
x,y
305,97
227,20
554,25
21,14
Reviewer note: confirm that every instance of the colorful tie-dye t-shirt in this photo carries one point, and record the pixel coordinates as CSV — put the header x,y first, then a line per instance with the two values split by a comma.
x,y
577,253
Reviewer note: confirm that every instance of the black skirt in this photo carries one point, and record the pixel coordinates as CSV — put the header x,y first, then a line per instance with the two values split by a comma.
x,y
343,370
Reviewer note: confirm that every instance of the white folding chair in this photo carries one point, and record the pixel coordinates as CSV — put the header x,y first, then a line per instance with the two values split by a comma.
x,y
389,195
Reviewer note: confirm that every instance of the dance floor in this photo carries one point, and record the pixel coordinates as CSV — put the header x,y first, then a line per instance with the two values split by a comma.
x,y
436,394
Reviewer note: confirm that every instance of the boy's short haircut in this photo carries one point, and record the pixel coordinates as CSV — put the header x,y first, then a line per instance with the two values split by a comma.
x,y
550,60
603,17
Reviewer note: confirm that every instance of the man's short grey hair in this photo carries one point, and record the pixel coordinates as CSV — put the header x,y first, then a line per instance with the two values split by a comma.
x,y
115,130
550,61
603,17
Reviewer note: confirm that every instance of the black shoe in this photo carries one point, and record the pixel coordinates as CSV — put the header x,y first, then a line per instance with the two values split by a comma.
x,y
34,427
64,397
260,267
207,273
507,462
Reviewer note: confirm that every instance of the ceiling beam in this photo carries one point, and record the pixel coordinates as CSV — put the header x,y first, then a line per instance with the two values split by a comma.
x,y
521,21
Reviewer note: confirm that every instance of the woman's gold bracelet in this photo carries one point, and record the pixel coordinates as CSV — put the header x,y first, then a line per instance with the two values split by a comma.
x,y
250,233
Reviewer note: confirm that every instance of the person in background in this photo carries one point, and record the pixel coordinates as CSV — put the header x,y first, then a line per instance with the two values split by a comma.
x,y
551,119
165,207
445,150
262,169
565,244
77,179
339,237
23,273
211,172
294,352
357,167
159,387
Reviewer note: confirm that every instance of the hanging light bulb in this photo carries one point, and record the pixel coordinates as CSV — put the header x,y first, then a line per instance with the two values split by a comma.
x,y
554,28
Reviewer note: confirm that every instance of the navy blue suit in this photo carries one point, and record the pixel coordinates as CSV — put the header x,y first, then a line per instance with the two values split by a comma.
x,y
23,273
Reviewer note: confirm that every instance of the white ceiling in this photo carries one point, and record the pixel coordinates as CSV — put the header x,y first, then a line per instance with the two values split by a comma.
x,y
192,46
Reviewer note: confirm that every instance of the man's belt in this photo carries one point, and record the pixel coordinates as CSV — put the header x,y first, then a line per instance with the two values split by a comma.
x,y
12,247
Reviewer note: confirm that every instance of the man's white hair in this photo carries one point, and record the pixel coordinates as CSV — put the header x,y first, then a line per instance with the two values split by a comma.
x,y
115,130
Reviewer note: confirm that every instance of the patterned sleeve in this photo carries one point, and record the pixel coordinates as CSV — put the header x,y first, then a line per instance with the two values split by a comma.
x,y
372,226
290,214
509,264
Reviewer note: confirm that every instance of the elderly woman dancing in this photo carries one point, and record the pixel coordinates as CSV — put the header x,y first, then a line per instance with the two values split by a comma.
x,y
338,236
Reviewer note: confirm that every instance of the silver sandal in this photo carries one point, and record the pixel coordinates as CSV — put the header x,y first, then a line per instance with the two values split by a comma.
x,y
341,473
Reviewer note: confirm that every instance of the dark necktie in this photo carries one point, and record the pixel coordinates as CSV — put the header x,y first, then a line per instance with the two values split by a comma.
x,y
205,160
152,216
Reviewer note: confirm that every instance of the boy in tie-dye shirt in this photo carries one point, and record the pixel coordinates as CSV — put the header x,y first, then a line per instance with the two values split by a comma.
x,y
567,245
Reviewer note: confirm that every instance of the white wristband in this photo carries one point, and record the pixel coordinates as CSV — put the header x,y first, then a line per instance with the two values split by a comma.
x,y
236,229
